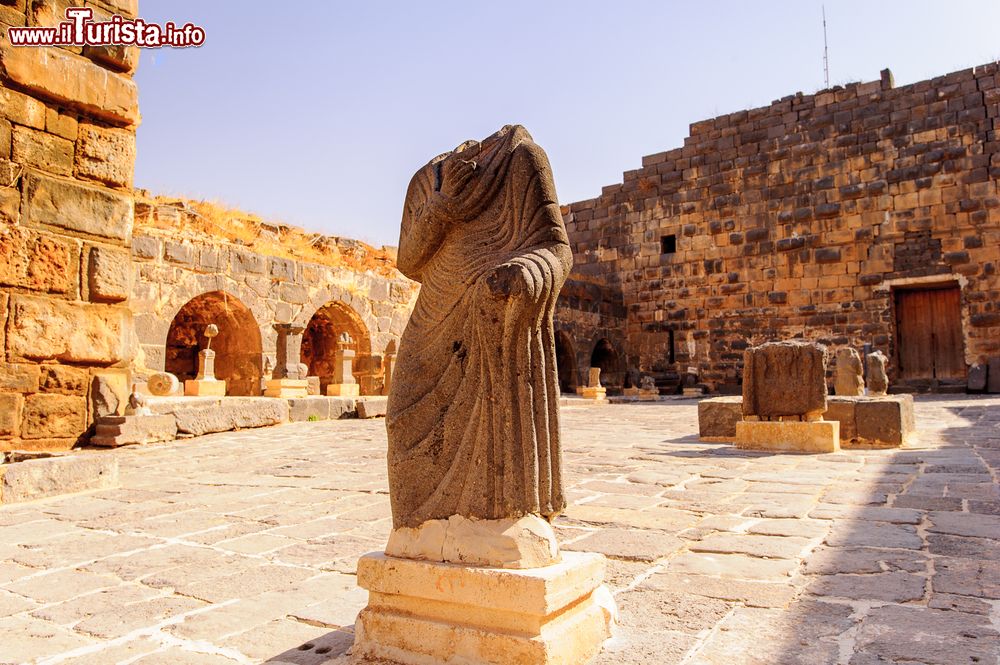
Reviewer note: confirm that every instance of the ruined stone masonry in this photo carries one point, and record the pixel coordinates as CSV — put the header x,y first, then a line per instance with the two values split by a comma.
x,y
67,148
101,286
186,275
864,214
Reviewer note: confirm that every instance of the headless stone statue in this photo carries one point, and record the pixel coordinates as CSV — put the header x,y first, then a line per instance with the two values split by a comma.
x,y
848,380
472,417
474,456
878,381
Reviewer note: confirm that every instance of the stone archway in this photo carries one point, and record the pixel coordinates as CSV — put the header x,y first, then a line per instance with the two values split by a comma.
x,y
606,357
566,362
319,346
237,348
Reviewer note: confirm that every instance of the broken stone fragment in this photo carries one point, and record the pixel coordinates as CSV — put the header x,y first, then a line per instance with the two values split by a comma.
x,y
785,379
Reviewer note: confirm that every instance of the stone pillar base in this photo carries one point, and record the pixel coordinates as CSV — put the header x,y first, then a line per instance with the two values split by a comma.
x,y
343,390
597,393
424,613
286,388
818,436
205,387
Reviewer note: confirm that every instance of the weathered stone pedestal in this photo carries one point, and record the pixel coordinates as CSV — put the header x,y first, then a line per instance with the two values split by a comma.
x,y
205,384
865,422
286,388
594,390
114,431
423,612
819,436
205,388
784,399
343,390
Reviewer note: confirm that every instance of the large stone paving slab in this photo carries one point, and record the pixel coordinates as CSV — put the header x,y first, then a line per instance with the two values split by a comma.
x,y
240,547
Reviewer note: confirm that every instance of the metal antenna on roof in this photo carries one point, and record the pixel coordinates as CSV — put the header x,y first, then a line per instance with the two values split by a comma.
x,y
826,53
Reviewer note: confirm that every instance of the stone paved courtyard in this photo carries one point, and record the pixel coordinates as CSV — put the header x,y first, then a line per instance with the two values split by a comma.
x,y
241,547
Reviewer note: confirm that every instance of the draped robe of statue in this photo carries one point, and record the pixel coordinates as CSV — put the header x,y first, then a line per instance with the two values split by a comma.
x,y
473,414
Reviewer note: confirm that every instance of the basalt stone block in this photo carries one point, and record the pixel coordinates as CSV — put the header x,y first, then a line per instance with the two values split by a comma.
x,y
844,411
784,379
885,421
977,378
717,417
993,376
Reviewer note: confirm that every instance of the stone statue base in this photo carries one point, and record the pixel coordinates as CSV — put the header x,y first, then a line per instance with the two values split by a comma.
x,y
286,388
817,436
343,390
423,613
596,393
205,387
528,542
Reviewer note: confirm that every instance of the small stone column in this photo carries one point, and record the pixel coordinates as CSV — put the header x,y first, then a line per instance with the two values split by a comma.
x,y
205,383
387,364
594,389
878,380
288,379
343,384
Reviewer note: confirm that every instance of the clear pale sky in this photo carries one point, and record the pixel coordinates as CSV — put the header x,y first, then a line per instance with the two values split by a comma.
x,y
316,113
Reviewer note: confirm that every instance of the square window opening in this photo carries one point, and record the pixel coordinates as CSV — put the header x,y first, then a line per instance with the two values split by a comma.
x,y
668,244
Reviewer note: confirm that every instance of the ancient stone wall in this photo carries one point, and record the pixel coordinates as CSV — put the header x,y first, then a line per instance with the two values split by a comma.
x,y
67,148
806,218
180,284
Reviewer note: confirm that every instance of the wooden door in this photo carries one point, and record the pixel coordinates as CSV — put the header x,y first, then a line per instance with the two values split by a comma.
x,y
929,334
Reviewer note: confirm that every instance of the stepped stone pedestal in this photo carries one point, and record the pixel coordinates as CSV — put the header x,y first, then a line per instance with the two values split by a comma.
x,y
114,431
594,390
424,612
286,388
472,572
784,399
205,384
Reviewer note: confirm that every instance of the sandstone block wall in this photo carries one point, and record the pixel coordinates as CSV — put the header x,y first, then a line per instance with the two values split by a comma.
x,y
801,219
168,271
67,148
